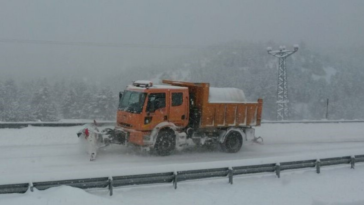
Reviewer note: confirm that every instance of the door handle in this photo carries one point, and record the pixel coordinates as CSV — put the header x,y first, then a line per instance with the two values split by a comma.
x,y
183,117
165,117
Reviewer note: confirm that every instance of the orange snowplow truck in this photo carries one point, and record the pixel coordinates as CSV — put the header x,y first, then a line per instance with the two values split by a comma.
x,y
179,114
165,117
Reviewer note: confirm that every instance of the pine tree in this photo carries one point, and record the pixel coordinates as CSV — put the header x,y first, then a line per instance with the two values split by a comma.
x,y
87,108
69,105
105,105
43,107
59,90
10,105
2,108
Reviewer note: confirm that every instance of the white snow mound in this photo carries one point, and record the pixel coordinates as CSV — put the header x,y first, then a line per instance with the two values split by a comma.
x,y
226,95
59,195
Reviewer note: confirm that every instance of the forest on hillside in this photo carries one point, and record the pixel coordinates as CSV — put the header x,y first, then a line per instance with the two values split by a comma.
x,y
313,77
51,101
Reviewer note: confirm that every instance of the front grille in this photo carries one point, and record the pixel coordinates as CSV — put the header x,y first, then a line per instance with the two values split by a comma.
x,y
124,124
121,137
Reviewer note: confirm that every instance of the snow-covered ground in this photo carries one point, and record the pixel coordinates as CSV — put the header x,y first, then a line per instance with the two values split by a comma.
x,y
46,153
333,186
43,153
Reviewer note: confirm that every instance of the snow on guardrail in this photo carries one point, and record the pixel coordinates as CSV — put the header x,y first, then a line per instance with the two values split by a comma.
x,y
50,124
311,121
176,177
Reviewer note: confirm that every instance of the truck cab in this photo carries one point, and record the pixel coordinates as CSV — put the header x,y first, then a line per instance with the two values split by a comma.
x,y
144,107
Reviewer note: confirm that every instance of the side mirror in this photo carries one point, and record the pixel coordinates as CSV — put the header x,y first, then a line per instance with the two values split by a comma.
x,y
120,95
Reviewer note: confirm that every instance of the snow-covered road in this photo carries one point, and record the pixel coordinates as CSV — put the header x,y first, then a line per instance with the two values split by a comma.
x,y
39,153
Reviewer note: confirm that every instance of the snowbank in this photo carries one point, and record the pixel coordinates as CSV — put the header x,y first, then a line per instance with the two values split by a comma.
x,y
333,186
62,195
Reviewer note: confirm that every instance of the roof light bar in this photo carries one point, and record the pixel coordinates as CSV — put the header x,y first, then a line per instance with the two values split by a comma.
x,y
143,83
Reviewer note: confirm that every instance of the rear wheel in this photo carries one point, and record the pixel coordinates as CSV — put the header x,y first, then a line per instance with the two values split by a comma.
x,y
166,142
232,143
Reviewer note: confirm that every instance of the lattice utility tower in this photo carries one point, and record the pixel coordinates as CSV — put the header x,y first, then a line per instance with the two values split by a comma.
x,y
282,90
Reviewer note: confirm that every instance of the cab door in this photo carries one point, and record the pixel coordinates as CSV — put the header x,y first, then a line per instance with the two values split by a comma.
x,y
156,110
178,109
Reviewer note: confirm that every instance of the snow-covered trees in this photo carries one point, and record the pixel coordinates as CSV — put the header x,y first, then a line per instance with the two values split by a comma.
x,y
104,104
312,78
14,102
44,109
9,101
85,103
2,103
41,101
69,105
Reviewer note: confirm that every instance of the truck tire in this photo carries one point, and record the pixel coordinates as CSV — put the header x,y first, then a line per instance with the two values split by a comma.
x,y
232,143
166,142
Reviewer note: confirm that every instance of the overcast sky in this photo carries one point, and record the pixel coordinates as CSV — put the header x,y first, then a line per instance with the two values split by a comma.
x,y
120,33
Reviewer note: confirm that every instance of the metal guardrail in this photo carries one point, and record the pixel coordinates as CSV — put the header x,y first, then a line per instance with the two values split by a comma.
x,y
312,121
179,176
14,188
49,124
166,177
79,183
21,125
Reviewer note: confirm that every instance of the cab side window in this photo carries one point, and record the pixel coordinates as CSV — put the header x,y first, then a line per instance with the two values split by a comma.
x,y
177,99
156,101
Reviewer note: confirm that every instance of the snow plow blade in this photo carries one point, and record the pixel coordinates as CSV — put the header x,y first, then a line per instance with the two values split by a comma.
x,y
91,139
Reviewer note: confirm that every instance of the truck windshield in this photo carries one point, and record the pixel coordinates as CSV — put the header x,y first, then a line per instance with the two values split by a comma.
x,y
132,101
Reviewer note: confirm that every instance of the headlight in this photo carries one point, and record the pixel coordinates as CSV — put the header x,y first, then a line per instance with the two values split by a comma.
x,y
147,120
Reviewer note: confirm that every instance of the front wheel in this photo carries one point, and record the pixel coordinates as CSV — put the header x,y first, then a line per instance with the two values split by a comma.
x,y
232,143
165,143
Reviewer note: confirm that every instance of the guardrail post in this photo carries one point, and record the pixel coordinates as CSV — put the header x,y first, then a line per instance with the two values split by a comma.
x,y
278,170
111,186
352,162
318,165
231,175
31,187
175,180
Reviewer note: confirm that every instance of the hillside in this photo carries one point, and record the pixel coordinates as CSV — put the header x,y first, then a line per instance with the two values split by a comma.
x,y
313,77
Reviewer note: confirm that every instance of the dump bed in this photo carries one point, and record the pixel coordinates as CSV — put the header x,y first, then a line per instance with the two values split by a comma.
x,y
230,112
